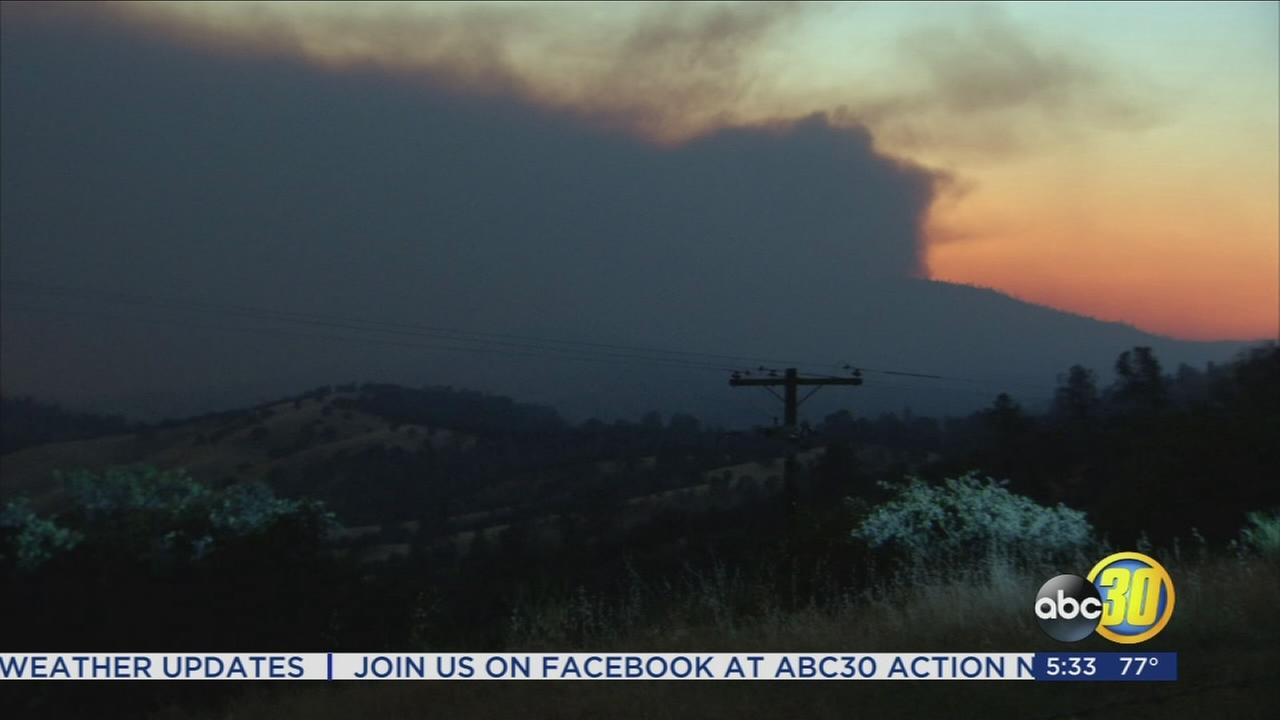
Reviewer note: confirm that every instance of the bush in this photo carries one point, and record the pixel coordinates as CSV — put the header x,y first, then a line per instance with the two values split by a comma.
x,y
147,558
1262,534
145,513
30,539
972,517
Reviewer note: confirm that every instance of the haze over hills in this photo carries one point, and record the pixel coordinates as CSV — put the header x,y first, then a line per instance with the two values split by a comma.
x,y
980,341
239,178
246,445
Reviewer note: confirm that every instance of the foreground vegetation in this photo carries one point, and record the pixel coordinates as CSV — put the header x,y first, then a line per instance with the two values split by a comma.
x,y
1228,658
1225,637
627,537
960,562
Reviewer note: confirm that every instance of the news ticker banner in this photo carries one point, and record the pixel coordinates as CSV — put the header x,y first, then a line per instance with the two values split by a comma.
x,y
1050,667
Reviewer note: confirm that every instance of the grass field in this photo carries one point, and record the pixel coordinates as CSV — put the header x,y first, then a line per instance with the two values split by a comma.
x,y
1225,629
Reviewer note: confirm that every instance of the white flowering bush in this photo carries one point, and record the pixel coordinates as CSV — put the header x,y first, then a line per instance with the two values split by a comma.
x,y
972,517
31,539
1262,534
162,516
122,490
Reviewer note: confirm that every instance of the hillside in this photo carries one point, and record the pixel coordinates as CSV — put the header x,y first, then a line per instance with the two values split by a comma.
x,y
392,480
439,467
265,442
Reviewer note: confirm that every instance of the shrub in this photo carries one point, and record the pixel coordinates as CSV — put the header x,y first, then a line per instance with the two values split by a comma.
x,y
121,490
31,539
972,517
1262,534
143,557
151,515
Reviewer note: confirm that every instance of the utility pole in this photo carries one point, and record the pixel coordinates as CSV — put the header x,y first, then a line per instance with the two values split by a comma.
x,y
790,383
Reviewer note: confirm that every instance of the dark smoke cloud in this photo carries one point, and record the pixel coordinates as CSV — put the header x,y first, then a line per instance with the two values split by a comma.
x,y
238,172
989,88
670,70
135,164
976,86
687,65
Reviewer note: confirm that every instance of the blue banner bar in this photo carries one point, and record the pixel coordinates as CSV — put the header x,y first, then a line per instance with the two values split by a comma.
x,y
1106,666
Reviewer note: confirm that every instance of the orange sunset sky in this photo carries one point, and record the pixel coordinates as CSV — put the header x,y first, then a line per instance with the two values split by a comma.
x,y
1115,160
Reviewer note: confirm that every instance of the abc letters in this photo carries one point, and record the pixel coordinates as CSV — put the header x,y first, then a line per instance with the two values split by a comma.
x,y
1067,608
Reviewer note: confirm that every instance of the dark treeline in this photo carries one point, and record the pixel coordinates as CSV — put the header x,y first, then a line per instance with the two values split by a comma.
x,y
1139,454
1152,451
26,422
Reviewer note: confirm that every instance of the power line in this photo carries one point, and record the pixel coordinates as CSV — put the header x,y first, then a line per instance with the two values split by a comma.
x,y
276,332
485,341
507,339
471,343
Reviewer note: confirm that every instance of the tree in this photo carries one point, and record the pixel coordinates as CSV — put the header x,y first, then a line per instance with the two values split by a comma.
x,y
652,421
1076,400
839,424
1140,384
1006,418
837,474
683,426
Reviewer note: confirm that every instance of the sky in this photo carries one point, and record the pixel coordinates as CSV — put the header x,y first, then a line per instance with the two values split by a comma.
x,y
1118,160
210,204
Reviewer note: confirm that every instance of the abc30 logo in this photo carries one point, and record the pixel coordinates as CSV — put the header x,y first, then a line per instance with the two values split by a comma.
x,y
1127,598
